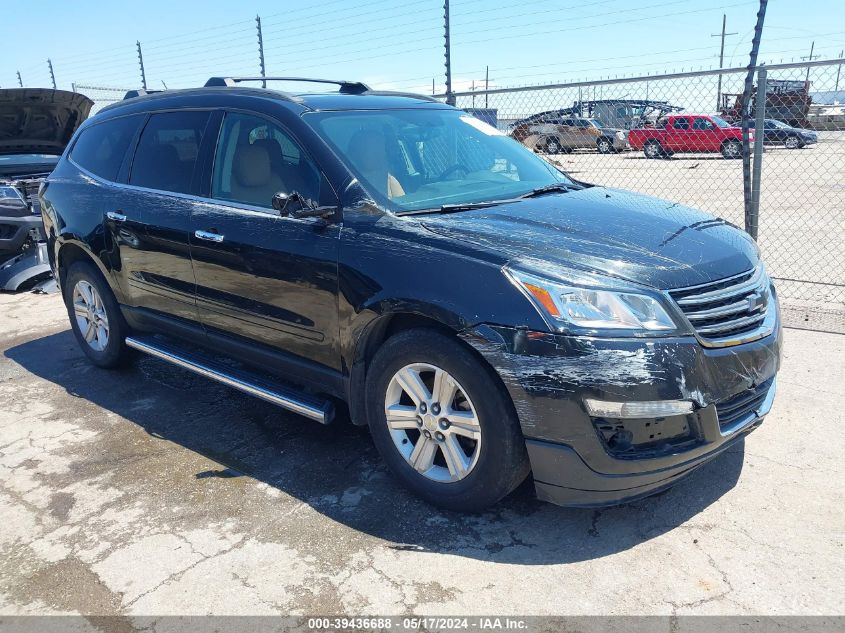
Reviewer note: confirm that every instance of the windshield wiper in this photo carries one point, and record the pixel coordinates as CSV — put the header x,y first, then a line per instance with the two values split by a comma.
x,y
460,206
555,187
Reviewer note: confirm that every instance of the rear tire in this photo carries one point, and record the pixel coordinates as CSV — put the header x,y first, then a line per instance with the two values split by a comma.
x,y
476,423
604,145
95,317
732,149
792,142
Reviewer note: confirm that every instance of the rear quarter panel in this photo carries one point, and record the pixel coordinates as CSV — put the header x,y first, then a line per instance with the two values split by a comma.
x,y
637,137
73,209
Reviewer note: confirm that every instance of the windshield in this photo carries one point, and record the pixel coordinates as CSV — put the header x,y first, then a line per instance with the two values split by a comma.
x,y
720,122
409,160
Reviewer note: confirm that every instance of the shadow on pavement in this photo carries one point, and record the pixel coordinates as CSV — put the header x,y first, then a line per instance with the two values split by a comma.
x,y
324,465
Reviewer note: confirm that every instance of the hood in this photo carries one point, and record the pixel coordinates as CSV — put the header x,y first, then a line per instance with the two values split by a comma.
x,y
608,232
39,120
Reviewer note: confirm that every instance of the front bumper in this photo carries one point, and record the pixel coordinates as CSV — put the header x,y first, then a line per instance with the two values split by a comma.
x,y
549,375
14,232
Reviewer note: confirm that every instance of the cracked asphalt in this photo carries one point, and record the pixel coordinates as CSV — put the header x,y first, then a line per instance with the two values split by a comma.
x,y
153,491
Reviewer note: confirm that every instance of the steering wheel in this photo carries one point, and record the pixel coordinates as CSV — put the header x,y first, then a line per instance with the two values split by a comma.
x,y
451,170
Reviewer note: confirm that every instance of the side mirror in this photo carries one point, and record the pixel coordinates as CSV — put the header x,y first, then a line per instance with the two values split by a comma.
x,y
284,203
295,205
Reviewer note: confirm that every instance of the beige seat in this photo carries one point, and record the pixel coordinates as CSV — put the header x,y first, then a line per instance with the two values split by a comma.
x,y
292,174
253,182
367,151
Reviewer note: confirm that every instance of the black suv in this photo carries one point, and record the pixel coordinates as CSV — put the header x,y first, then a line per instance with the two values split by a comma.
x,y
484,314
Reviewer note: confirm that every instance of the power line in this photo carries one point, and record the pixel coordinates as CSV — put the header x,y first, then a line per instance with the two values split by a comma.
x,y
339,16
575,18
345,27
166,48
606,24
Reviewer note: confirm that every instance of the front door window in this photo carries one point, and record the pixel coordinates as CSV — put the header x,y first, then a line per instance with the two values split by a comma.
x,y
257,159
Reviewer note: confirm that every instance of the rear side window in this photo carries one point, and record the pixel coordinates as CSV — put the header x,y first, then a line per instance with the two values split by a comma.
x,y
167,151
681,124
100,148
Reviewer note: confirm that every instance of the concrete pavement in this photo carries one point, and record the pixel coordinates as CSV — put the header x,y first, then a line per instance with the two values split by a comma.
x,y
150,490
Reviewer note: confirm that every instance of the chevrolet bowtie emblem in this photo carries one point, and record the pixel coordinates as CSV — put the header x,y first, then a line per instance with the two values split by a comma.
x,y
756,301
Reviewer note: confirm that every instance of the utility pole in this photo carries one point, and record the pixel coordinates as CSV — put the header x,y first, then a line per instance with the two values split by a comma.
x,y
52,76
450,98
486,85
721,59
260,50
141,62
750,200
810,58
20,81
839,70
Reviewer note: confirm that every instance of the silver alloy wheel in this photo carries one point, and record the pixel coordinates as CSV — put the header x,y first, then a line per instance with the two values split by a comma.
x,y
792,142
604,146
732,149
652,150
91,315
433,422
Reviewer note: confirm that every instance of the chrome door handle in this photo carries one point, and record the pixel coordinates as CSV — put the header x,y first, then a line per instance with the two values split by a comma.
x,y
208,237
115,216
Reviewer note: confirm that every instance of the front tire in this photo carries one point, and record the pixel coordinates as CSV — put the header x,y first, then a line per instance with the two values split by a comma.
x,y
552,146
653,149
95,317
604,145
442,422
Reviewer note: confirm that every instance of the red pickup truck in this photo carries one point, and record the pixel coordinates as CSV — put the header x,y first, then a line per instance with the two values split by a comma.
x,y
688,133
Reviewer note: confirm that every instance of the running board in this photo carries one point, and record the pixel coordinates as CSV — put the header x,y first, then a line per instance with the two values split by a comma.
x,y
321,411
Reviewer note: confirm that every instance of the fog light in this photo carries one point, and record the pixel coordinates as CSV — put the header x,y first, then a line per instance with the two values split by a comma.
x,y
652,409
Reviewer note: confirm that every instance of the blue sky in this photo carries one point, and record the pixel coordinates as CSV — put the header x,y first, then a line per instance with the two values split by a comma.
x,y
398,45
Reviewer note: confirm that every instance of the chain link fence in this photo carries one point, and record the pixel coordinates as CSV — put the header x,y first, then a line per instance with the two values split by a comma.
x,y
101,95
672,136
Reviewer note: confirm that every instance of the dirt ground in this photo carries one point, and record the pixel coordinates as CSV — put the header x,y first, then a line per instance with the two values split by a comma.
x,y
150,490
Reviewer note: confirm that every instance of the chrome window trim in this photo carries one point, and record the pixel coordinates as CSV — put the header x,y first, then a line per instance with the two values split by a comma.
x,y
237,206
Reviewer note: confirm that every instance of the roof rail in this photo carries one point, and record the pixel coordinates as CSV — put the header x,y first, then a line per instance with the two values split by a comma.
x,y
140,92
346,87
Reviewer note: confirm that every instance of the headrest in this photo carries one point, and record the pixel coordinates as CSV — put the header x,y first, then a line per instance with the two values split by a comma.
x,y
252,166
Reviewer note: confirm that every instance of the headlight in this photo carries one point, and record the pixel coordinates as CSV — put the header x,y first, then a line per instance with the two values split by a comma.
x,y
593,309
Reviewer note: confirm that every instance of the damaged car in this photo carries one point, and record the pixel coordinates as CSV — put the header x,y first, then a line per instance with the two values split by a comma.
x,y
35,127
485,315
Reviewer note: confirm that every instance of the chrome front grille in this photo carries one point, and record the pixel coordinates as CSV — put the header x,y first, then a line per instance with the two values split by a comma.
x,y
728,308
